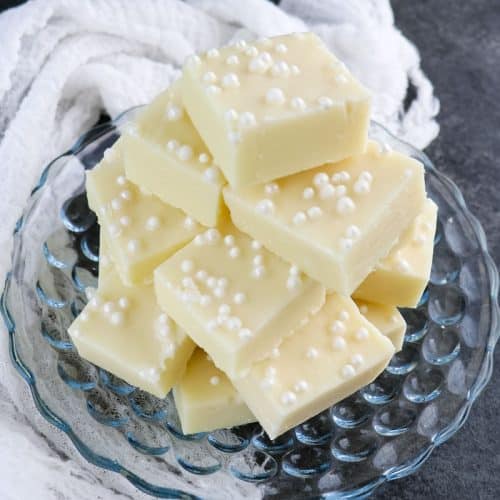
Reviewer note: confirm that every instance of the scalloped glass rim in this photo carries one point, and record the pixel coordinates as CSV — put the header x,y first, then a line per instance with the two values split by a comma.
x,y
484,372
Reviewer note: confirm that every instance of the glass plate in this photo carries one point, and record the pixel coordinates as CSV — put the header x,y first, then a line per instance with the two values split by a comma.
x,y
383,432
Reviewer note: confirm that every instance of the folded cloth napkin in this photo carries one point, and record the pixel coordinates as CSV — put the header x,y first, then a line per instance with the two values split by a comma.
x,y
63,61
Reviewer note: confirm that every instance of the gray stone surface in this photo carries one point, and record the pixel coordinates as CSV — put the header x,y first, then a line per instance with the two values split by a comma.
x,y
459,42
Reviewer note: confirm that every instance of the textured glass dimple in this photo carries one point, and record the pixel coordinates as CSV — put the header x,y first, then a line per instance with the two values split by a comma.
x,y
377,434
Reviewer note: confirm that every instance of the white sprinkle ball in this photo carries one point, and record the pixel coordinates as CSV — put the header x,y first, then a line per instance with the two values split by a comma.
x,y
345,205
241,44
338,327
298,103
320,179
362,333
299,218
348,371
84,316
257,260
126,195
288,398
366,176
343,315
219,292
203,158
338,343
133,246
116,204
211,325
281,48
293,271
229,240
172,145
239,298
256,245
205,300
213,90
326,191
164,330
125,220
234,252
116,318
353,232
403,265
201,275
230,115
153,223
346,243
252,51
209,77
211,282
312,353
295,69
121,181
212,235
234,137
247,119
174,112
233,60
272,188
214,380
123,302
363,309
275,353
340,191
357,360
94,302
314,212
213,53
163,319
108,307
245,333
211,174
189,223
325,102
280,69
265,207
275,96
187,266
341,78
308,193
185,152
230,81
258,272
361,186
224,309
293,282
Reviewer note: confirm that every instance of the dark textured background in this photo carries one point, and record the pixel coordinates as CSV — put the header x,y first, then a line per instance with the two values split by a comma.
x,y
459,42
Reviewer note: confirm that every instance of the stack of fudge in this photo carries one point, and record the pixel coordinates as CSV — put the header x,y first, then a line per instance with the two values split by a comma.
x,y
255,243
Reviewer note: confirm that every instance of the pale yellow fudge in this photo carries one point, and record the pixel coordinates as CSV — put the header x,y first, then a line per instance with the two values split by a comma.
x,y
387,319
123,330
206,399
334,222
234,298
401,277
165,155
272,107
333,355
140,230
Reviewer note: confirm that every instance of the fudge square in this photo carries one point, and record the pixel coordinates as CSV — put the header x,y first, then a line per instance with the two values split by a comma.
x,y
338,352
269,108
139,229
206,399
334,222
387,319
401,277
123,330
234,298
164,154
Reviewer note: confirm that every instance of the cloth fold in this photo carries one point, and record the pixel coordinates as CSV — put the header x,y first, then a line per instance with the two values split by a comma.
x,y
64,61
